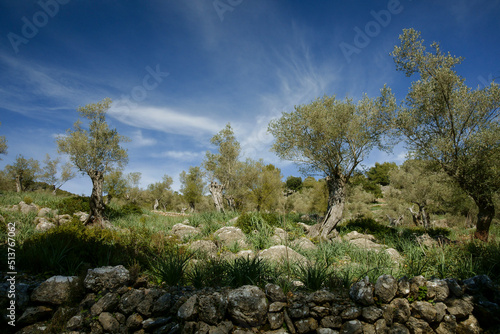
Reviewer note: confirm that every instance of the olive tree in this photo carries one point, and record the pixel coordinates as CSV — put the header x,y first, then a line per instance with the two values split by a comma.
x,y
448,122
192,186
55,176
94,152
332,137
23,171
222,167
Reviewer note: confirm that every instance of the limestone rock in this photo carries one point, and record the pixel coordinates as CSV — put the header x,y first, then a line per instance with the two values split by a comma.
x,y
44,226
371,313
398,328
44,212
229,235
212,308
386,288
184,231
352,327
356,235
306,325
189,309
247,306
27,208
403,287
275,293
34,314
276,319
438,290
322,296
130,300
362,292
134,322
424,310
279,253
108,322
366,244
304,244
331,321
106,277
448,325
56,290
206,247
459,308
418,326
108,302
401,310
75,323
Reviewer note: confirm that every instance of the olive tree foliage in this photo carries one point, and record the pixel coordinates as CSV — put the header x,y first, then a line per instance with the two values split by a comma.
x,y
55,176
222,168
192,186
448,122
115,185
264,185
94,151
160,193
332,137
23,171
3,145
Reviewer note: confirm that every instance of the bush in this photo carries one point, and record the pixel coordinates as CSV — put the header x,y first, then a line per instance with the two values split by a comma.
x,y
169,267
70,205
246,271
250,221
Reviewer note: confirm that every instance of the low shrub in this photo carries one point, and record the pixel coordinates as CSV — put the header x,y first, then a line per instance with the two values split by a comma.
x,y
70,205
169,267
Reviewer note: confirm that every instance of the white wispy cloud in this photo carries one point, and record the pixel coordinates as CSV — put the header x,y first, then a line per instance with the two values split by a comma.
x,y
138,140
163,119
179,155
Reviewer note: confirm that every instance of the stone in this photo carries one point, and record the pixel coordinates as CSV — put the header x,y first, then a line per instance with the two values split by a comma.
x,y
322,296
306,325
108,322
447,326
224,327
356,235
319,311
388,314
426,241
280,236
34,314
228,235
362,292
423,310
381,326
276,320
401,310
351,327
189,309
82,216
418,326
205,247
27,208
398,328
304,244
371,313
416,283
275,293
298,311
130,300
212,308
150,323
369,329
460,308
276,307
437,290
386,288
440,311
74,323
247,306
326,331
44,212
454,287
184,231
55,290
394,255
246,253
44,226
366,244
108,302
162,304
150,301
280,253
134,322
469,326
106,278
403,287
351,313
331,321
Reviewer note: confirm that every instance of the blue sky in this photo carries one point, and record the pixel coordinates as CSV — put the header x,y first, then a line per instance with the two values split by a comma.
x,y
178,71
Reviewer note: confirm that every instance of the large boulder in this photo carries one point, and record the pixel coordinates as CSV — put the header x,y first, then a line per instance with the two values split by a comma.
x,y
28,208
212,308
229,235
184,231
281,253
304,244
386,288
106,277
356,235
247,306
56,290
206,247
43,225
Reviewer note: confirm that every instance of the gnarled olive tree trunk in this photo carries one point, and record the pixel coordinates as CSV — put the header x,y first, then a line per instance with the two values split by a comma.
x,y
216,191
484,217
97,206
336,203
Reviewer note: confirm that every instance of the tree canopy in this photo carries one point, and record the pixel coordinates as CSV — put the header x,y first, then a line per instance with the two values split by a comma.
x,y
332,137
445,120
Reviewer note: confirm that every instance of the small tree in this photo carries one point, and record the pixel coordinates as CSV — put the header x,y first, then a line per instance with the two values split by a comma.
x,y
380,172
192,186
50,173
332,137
265,187
161,193
23,171
94,152
448,122
115,185
222,167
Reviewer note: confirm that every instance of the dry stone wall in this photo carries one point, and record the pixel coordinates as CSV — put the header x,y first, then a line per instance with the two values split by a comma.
x,y
108,302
